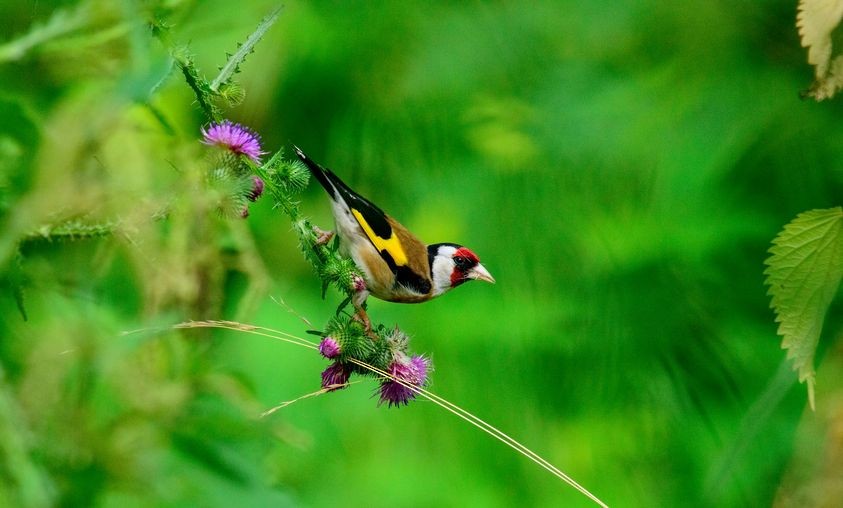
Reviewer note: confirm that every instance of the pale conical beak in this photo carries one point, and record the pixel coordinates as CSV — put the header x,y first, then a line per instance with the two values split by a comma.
x,y
479,272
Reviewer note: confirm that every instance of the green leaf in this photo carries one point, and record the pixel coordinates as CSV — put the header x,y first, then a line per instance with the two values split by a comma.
x,y
231,67
804,273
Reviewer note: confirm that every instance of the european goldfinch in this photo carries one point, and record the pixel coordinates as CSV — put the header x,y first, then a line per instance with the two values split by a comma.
x,y
397,266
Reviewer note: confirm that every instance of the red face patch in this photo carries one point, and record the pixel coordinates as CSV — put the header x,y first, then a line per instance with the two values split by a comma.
x,y
466,253
464,260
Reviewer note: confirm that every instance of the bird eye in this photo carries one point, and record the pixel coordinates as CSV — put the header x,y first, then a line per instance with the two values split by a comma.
x,y
461,262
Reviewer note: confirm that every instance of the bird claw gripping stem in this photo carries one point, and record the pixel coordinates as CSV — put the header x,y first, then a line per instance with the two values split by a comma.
x,y
361,317
358,299
322,236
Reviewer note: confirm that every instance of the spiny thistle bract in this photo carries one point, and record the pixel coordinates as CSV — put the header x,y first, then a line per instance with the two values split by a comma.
x,y
232,93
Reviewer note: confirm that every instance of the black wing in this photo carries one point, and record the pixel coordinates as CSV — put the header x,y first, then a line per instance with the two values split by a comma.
x,y
374,223
374,216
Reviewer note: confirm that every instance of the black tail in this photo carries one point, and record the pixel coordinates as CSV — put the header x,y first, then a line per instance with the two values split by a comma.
x,y
317,171
339,191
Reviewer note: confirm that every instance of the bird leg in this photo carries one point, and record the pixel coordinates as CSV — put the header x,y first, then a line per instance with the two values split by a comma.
x,y
322,236
361,317
358,300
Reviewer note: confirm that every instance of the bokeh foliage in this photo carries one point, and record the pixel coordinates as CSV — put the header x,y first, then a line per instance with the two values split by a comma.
x,y
620,168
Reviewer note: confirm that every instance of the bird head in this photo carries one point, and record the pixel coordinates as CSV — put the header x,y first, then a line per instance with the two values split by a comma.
x,y
451,265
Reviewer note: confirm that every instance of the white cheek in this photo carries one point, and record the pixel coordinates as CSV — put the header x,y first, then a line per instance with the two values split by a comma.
x,y
442,270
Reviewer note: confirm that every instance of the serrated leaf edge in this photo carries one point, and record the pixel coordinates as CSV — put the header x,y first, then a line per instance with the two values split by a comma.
x,y
779,249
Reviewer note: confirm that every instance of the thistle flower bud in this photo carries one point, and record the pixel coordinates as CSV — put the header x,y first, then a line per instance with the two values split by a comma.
x,y
232,93
335,377
257,189
358,284
297,177
329,348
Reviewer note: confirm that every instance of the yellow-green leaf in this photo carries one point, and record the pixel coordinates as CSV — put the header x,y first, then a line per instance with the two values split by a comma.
x,y
804,273
816,21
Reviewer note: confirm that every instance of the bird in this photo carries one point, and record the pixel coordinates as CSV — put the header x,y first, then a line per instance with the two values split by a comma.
x,y
397,266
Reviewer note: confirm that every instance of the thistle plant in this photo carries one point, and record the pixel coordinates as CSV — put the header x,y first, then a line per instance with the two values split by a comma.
x,y
237,173
345,339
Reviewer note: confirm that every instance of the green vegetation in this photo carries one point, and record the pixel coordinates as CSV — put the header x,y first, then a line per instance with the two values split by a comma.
x,y
621,169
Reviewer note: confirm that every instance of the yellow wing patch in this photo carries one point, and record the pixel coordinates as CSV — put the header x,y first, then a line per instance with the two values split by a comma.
x,y
392,245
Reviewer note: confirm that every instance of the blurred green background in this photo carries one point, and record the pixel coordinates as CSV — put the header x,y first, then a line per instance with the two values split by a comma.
x,y
620,167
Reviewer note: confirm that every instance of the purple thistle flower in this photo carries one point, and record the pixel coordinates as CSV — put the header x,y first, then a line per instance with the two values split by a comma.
x,y
234,137
335,377
422,365
257,189
413,372
329,348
